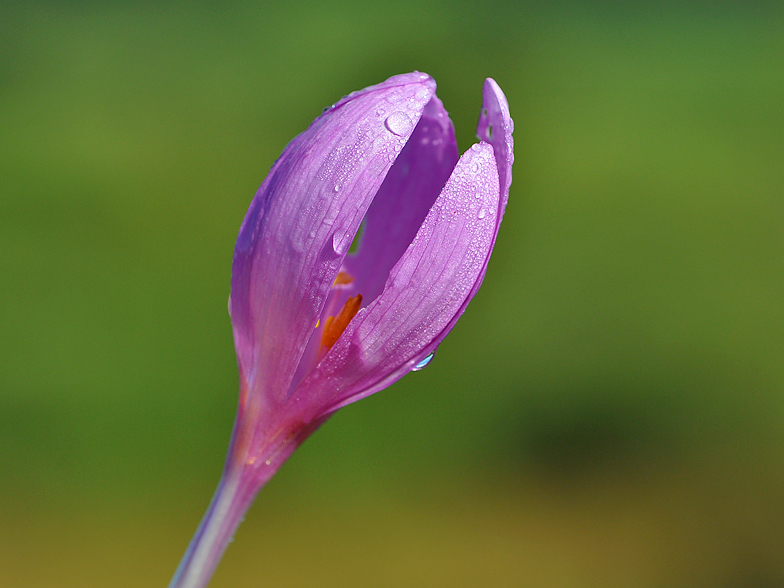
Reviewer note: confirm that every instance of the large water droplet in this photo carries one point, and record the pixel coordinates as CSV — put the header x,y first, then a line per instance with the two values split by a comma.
x,y
399,124
482,213
341,242
423,364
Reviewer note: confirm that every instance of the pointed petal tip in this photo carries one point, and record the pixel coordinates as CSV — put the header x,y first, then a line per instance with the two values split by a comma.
x,y
491,86
495,109
496,127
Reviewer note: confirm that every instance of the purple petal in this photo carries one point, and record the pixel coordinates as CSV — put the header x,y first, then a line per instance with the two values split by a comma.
x,y
427,290
404,199
302,220
496,127
394,217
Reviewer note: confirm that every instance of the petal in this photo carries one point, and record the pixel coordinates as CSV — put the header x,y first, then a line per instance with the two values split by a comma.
x,y
302,220
404,199
496,127
408,192
427,290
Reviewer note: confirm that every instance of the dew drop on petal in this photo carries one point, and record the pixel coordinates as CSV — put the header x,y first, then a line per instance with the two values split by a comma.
x,y
341,242
423,364
399,124
482,213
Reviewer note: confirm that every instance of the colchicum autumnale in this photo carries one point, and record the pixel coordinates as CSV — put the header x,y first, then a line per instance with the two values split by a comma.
x,y
316,327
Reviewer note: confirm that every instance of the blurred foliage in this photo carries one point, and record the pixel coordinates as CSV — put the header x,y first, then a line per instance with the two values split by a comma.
x,y
607,413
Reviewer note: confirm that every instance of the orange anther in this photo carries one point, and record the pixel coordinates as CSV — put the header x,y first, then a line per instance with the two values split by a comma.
x,y
335,325
343,278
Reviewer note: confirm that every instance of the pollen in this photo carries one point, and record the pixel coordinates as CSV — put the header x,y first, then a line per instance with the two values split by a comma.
x,y
335,325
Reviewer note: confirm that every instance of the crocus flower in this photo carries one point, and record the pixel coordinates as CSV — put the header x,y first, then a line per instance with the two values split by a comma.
x,y
318,325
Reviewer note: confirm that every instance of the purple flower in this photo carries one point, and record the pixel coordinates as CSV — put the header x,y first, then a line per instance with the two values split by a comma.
x,y
318,325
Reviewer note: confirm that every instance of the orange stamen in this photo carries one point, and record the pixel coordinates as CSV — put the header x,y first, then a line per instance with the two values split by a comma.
x,y
343,278
335,325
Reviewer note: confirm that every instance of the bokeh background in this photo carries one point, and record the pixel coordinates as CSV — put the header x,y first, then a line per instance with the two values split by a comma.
x,y
609,411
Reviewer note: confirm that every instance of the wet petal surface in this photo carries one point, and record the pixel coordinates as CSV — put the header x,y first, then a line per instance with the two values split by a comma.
x,y
425,293
302,220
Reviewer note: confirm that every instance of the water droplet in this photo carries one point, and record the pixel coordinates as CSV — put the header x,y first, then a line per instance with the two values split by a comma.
x,y
422,364
482,213
399,124
341,242
380,111
336,188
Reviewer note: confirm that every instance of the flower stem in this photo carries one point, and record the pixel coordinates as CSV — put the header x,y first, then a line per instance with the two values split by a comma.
x,y
242,478
232,499
249,466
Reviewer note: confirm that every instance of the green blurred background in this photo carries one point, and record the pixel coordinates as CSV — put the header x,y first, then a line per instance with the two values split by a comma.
x,y
609,411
